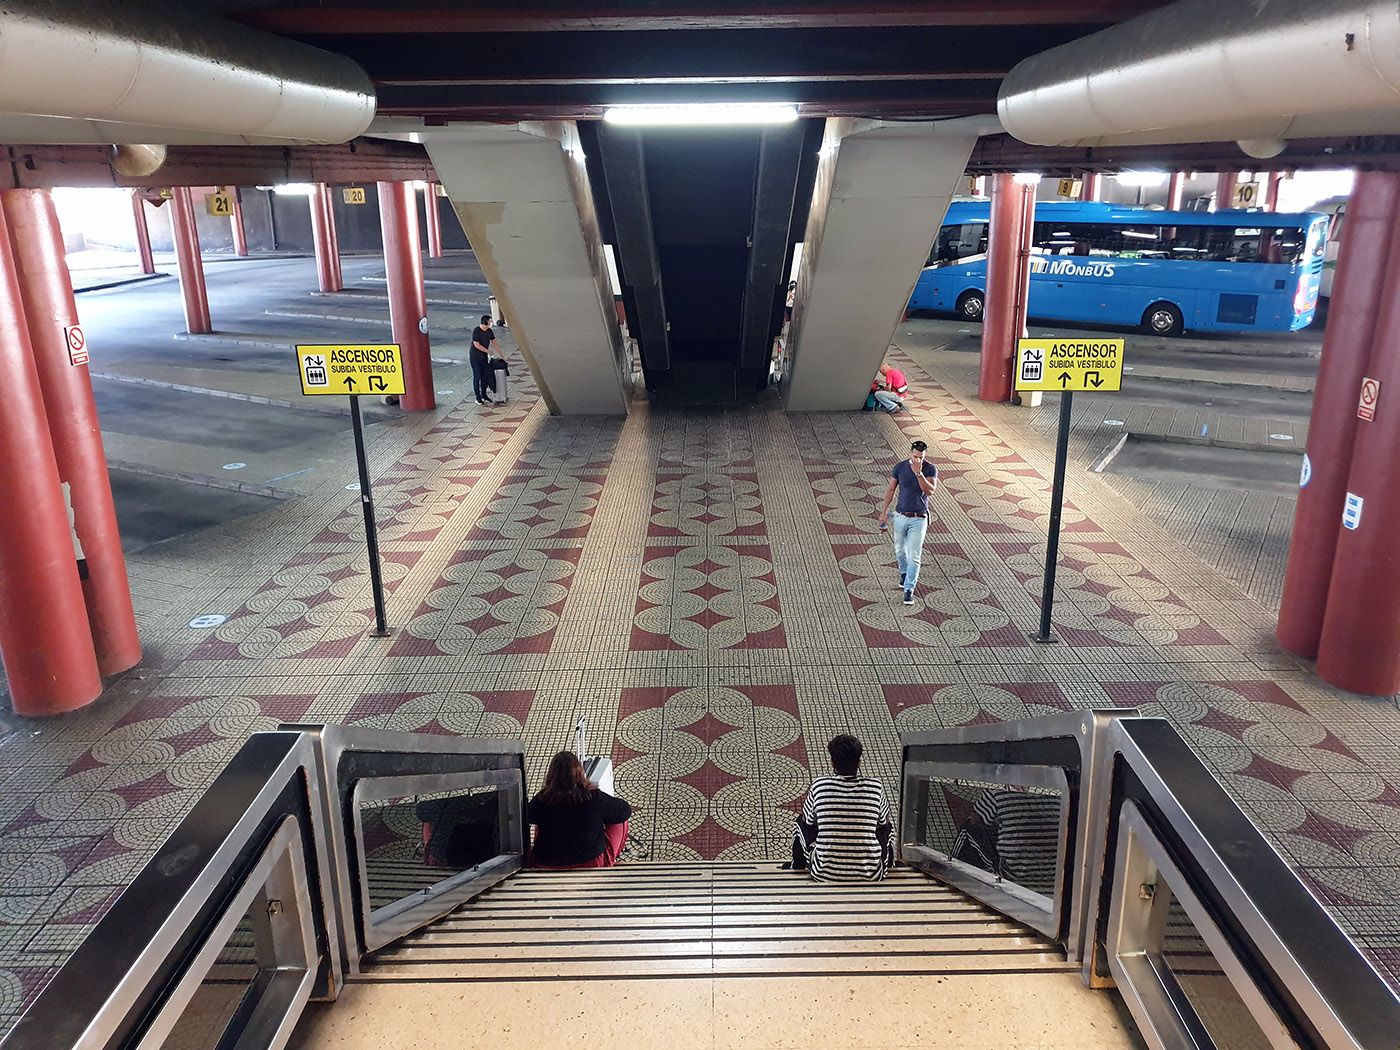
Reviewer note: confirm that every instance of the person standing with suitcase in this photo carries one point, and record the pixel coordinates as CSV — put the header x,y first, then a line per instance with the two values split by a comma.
x,y
480,357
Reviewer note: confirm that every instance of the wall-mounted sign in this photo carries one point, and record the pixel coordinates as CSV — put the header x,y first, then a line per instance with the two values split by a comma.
x,y
353,194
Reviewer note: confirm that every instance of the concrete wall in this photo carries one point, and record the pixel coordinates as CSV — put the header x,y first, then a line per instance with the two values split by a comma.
x,y
522,194
880,196
274,222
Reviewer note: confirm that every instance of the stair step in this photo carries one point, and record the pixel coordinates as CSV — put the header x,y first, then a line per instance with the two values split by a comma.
x,y
569,966
568,952
810,932
652,925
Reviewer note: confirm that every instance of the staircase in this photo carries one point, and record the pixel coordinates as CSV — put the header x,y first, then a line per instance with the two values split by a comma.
x,y
682,955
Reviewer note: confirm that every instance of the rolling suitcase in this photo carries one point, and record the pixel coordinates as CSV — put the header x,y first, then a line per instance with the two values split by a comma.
x,y
501,374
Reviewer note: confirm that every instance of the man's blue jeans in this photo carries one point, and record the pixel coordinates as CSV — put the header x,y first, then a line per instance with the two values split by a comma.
x,y
908,535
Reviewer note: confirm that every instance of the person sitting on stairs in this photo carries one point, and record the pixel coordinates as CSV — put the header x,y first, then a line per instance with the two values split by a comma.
x,y
844,832
579,826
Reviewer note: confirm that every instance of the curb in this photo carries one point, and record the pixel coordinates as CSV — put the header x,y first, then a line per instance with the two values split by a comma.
x,y
232,395
1294,447
251,488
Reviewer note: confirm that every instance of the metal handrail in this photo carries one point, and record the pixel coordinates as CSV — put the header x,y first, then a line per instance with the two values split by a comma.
x,y
1057,750
1283,940
1142,802
271,846
123,982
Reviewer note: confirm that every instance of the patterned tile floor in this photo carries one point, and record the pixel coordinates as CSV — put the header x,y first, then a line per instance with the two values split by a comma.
x,y
709,589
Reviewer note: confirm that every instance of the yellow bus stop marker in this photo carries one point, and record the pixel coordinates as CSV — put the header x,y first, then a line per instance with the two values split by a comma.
x,y
1094,365
350,368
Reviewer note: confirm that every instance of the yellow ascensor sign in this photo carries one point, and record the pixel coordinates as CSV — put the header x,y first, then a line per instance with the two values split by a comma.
x,y
341,368
1069,364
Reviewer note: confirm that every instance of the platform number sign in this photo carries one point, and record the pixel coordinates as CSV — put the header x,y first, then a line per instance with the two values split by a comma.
x,y
76,341
220,204
1247,195
1070,188
353,194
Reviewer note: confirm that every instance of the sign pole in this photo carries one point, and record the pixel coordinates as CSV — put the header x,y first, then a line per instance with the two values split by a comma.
x,y
1057,500
371,529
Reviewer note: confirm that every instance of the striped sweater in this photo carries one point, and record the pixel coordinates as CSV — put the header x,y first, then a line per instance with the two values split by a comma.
x,y
845,825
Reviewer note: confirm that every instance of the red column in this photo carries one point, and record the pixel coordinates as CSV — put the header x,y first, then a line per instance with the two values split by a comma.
x,y
329,194
1359,647
1225,190
240,235
1373,224
1089,186
430,202
46,290
1176,187
45,643
1271,193
328,275
143,232
1008,264
408,303
186,237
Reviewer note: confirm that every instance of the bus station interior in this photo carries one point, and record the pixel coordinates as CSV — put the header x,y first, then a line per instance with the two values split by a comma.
x,y
668,531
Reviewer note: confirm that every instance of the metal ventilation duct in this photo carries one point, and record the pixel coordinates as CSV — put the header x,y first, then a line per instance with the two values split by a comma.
x,y
1204,71
140,73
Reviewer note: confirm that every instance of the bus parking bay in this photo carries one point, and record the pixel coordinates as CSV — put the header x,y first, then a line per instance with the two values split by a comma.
x,y
1208,424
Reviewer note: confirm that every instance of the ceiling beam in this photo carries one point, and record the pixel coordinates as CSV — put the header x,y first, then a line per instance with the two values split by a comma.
x,y
360,161
998,153
595,15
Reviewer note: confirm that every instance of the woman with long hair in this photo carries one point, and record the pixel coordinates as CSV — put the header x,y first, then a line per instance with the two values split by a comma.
x,y
578,825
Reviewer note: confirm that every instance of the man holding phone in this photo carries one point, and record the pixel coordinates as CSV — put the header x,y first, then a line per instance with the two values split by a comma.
x,y
914,480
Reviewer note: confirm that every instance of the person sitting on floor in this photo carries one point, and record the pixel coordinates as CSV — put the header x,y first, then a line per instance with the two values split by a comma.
x,y
844,832
579,826
889,388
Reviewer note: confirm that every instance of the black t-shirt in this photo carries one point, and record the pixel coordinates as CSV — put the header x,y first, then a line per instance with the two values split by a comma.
x,y
485,338
572,832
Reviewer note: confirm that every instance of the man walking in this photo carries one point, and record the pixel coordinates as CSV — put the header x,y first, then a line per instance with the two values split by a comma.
x,y
914,479
480,357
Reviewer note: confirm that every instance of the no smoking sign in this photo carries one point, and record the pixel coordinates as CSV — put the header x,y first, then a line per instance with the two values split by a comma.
x,y
1370,395
76,342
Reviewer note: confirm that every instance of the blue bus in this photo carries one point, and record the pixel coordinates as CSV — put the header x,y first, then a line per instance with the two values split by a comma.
x,y
1164,271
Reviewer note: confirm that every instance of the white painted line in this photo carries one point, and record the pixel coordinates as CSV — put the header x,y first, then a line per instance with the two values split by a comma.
x,y
1109,454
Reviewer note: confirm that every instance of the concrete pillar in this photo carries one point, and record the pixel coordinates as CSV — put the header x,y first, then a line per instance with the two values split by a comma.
x,y
1090,186
1359,645
143,232
323,239
523,196
1225,190
240,234
1176,187
45,643
434,221
46,291
1008,284
408,302
1367,255
880,195
186,237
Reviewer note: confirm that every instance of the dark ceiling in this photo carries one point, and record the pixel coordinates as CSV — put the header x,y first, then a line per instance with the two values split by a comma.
x,y
447,60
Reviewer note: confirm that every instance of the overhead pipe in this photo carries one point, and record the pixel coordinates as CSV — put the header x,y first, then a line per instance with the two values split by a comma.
x,y
74,71
1202,71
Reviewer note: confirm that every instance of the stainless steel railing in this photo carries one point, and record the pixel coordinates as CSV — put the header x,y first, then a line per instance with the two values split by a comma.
x,y
1105,831
315,846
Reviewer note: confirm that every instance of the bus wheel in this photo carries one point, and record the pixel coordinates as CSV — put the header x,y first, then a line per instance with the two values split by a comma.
x,y
1162,319
970,306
